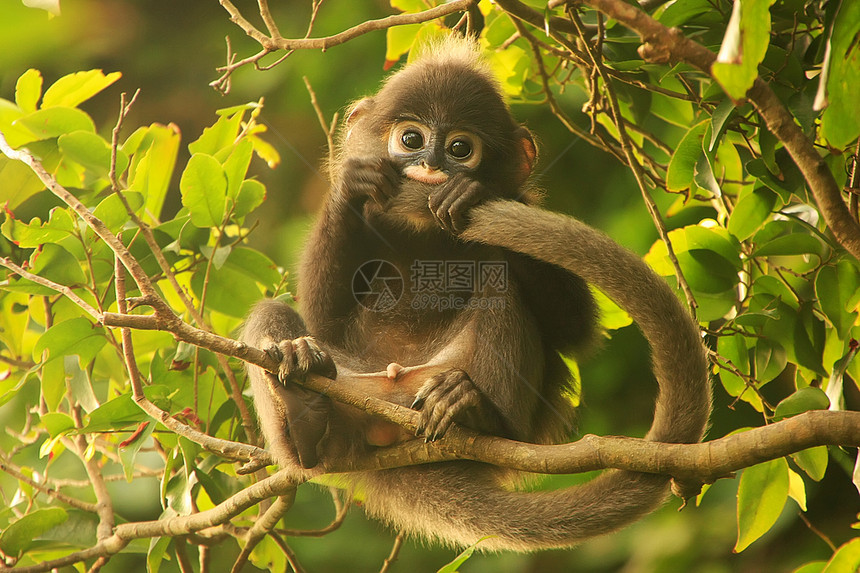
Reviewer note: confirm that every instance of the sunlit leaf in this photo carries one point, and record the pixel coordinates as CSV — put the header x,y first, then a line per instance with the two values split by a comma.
x,y
251,195
743,48
75,336
91,151
221,134
684,159
236,166
55,263
840,122
204,190
803,400
155,150
813,461
846,559
835,286
56,121
59,226
762,494
398,41
751,212
797,489
73,89
28,90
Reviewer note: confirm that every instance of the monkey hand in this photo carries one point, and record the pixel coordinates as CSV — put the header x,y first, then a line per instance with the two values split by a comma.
x,y
369,181
450,202
447,397
306,411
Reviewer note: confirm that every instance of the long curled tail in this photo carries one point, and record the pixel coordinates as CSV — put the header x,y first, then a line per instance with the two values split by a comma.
x,y
462,502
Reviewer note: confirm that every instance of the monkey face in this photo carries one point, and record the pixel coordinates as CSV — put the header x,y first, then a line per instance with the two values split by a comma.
x,y
432,154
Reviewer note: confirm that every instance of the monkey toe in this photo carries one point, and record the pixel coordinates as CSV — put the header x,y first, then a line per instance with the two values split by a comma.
x,y
301,356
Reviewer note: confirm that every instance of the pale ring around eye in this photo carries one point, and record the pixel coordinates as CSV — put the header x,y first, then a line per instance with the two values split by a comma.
x,y
464,147
407,137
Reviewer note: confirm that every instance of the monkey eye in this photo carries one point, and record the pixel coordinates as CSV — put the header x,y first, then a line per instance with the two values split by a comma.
x,y
412,140
460,149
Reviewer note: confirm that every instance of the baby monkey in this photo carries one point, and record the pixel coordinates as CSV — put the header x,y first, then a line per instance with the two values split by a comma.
x,y
468,332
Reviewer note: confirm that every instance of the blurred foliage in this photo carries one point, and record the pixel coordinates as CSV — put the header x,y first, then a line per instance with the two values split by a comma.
x,y
777,295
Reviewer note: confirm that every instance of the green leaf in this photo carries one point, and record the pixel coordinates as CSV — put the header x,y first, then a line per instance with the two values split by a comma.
x,y
770,360
718,121
113,213
398,41
56,423
55,263
840,122
846,559
678,13
788,245
56,121
74,336
73,89
812,461
155,149
28,90
91,151
251,195
59,226
612,316
116,414
204,190
744,46
835,286
683,163
16,538
221,134
19,182
751,212
797,489
454,566
803,400
762,494
156,554
236,166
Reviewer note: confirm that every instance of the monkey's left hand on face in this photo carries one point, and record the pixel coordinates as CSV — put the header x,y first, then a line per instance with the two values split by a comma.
x,y
450,202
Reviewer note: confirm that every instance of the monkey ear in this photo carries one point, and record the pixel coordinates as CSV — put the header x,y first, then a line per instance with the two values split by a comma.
x,y
528,154
357,109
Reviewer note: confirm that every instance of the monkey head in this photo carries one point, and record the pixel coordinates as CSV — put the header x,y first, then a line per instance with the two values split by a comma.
x,y
443,125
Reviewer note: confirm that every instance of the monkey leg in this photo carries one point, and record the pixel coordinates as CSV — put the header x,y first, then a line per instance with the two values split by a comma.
x,y
293,418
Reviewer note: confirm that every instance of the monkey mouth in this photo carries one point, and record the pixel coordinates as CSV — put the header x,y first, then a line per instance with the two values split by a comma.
x,y
424,175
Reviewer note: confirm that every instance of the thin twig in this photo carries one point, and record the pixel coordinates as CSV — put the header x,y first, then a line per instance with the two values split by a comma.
x,y
633,163
395,550
328,130
62,289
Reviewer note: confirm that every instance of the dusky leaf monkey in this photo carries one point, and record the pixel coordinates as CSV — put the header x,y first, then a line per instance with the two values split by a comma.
x,y
432,176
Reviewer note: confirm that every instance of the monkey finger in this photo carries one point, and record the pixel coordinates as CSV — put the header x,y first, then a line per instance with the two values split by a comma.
x,y
458,210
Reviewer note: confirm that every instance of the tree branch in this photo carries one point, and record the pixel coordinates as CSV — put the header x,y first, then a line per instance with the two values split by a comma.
x,y
663,44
